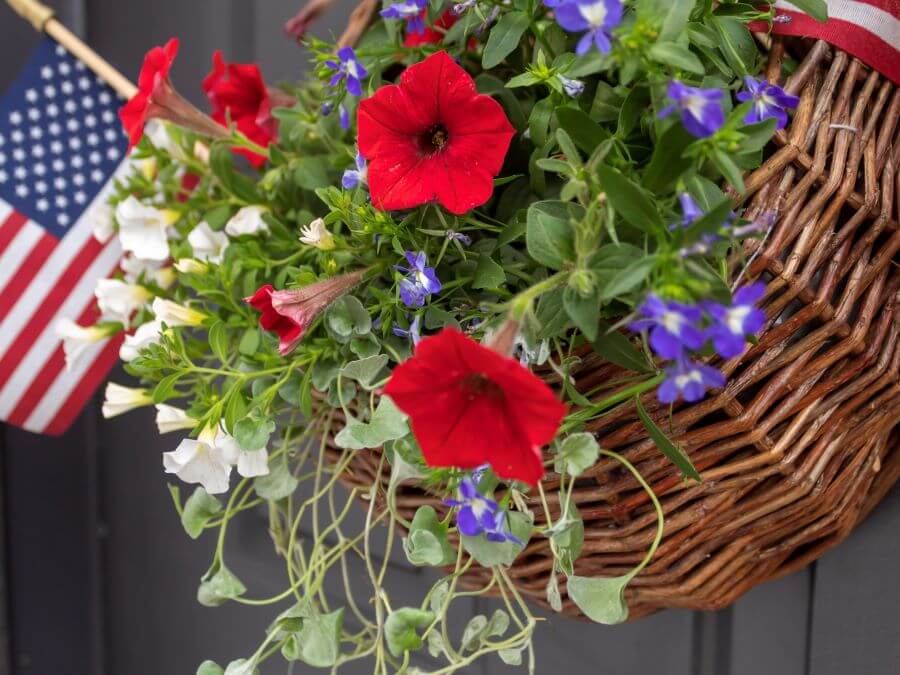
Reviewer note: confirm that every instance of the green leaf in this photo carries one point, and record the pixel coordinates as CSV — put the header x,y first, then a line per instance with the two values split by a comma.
x,y
491,553
310,173
539,121
427,543
488,274
165,389
242,667
729,170
479,629
347,317
584,311
668,162
585,132
711,221
249,342
628,279
549,235
673,54
277,484
675,454
567,536
629,200
617,348
736,44
319,640
253,433
401,630
635,104
817,9
600,599
676,20
210,668
758,135
577,453
218,341
387,424
219,588
365,371
512,656
198,510
504,38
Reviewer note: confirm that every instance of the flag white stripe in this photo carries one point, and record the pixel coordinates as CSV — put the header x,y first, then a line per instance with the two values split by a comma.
x,y
52,269
872,19
15,254
5,210
28,368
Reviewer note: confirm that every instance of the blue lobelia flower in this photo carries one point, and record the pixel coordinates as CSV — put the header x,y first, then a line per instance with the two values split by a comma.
x,y
596,17
769,102
348,68
412,333
690,210
411,10
463,239
701,109
673,326
573,88
357,176
689,380
344,116
479,515
420,282
732,324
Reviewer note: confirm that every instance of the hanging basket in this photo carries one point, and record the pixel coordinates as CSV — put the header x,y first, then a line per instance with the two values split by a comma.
x,y
803,442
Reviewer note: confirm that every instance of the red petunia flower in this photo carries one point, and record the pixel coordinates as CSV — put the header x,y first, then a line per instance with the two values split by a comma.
x,y
156,98
290,313
470,405
238,94
432,137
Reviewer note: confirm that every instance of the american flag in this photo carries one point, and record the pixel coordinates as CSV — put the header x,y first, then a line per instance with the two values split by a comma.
x,y
61,147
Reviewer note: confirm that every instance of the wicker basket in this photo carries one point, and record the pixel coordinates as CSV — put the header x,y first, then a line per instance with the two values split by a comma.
x,y
803,442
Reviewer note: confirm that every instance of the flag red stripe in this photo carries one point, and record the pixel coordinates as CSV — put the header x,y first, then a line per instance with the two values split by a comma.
x,y
48,306
29,269
86,387
10,227
52,368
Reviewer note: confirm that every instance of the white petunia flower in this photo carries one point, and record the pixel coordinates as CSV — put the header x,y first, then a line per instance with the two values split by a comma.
x,y
200,461
249,220
158,134
121,399
316,234
174,314
169,418
143,229
249,463
77,339
119,300
100,215
208,245
145,334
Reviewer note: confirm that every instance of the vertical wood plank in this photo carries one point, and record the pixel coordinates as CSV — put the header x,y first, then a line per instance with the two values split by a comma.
x,y
770,628
854,612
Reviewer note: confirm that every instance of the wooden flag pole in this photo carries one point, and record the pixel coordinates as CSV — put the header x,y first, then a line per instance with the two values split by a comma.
x,y
42,18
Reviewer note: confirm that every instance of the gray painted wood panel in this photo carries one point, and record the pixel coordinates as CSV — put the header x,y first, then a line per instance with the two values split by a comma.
x,y
112,592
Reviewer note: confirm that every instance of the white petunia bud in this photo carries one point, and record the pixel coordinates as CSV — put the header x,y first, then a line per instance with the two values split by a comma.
x,y
121,399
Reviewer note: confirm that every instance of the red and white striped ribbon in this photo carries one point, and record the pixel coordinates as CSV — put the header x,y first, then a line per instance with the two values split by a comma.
x,y
867,29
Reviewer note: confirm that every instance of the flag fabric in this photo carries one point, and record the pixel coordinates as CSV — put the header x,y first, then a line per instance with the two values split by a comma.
x,y
867,29
61,147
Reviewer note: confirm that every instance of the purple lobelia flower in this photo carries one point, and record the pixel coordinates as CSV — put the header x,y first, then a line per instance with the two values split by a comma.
x,y
673,326
412,333
479,515
690,210
463,239
732,324
596,17
411,10
344,116
348,68
573,88
689,380
358,176
769,102
420,282
701,109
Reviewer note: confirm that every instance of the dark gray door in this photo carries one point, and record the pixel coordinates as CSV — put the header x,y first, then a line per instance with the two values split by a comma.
x,y
102,579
